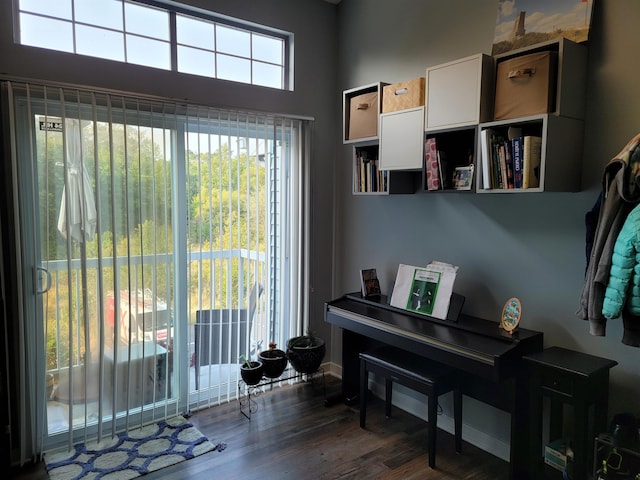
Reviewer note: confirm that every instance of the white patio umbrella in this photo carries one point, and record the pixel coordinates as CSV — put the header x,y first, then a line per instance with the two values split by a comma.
x,y
82,220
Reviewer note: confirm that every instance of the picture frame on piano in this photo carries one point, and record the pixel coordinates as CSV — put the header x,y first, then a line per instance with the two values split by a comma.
x,y
511,313
369,283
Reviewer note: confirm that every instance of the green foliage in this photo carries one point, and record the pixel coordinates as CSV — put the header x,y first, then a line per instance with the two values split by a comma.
x,y
245,361
131,181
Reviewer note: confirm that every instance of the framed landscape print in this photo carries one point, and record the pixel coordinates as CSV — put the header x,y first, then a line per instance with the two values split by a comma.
x,y
521,23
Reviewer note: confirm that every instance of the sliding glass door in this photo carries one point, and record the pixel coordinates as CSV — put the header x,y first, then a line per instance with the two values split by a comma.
x,y
97,224
159,243
244,232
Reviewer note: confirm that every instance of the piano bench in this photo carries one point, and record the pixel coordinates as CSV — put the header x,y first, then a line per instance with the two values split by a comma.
x,y
424,376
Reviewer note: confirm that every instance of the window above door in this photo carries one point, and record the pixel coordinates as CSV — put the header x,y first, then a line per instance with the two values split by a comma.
x,y
159,35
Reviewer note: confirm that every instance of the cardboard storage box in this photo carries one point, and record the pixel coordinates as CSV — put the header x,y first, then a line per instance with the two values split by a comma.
x,y
526,85
403,95
363,116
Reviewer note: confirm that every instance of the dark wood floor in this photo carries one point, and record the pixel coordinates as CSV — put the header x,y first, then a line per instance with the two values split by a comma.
x,y
294,435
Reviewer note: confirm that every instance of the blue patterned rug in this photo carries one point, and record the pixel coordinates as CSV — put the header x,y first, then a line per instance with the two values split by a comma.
x,y
129,455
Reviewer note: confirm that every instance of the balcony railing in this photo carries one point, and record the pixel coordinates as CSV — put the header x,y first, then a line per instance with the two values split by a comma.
x,y
65,322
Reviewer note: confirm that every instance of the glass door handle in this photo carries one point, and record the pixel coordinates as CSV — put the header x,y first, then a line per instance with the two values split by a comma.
x,y
47,284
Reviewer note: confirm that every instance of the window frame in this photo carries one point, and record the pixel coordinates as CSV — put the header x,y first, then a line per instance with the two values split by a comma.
x,y
173,9
293,241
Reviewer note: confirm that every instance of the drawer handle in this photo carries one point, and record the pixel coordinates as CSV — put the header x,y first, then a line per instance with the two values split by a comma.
x,y
525,72
362,106
401,91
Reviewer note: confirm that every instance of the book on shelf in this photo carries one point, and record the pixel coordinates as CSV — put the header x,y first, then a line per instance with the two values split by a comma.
x,y
369,177
494,173
497,167
502,156
431,164
516,152
442,169
369,282
503,165
509,161
485,156
512,134
357,182
531,158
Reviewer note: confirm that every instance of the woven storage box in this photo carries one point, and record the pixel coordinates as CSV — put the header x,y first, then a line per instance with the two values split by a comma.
x,y
526,85
403,95
363,115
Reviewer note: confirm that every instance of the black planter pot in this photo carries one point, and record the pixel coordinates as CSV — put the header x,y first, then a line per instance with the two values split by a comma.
x,y
274,361
305,353
253,375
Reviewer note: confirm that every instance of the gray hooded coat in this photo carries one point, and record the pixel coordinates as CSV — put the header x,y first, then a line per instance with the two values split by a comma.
x,y
620,194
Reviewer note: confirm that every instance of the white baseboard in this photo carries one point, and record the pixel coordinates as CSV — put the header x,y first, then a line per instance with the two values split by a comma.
x,y
332,369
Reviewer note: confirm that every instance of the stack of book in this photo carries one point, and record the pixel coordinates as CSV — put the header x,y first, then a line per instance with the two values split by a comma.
x,y
369,177
510,161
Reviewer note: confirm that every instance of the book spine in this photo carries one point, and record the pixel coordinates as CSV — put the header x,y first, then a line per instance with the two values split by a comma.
x,y
497,182
356,177
509,161
516,144
503,166
431,164
531,153
486,158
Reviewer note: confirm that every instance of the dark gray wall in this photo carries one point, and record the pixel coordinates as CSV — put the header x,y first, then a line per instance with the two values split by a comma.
x,y
529,246
314,24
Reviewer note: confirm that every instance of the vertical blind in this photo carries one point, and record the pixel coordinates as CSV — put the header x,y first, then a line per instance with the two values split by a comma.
x,y
135,216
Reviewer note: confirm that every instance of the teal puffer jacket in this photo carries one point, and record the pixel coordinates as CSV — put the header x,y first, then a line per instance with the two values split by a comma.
x,y
623,288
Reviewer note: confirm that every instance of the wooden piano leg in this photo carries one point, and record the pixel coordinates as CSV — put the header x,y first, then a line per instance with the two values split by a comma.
x,y
364,386
520,429
457,416
351,348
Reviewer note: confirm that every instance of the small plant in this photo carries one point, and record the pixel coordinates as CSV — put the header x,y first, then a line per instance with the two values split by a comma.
x,y
306,352
303,341
245,361
251,371
274,361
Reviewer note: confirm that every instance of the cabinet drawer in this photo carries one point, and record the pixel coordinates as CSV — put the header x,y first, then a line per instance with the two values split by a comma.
x,y
402,139
557,382
459,93
403,95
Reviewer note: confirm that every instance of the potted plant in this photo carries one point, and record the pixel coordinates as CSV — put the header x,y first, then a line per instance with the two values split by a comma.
x,y
274,361
251,371
306,352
